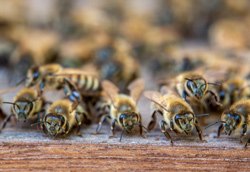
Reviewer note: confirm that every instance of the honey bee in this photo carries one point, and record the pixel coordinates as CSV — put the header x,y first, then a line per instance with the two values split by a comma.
x,y
2,113
26,105
73,81
61,118
116,64
232,91
176,112
122,108
236,117
194,85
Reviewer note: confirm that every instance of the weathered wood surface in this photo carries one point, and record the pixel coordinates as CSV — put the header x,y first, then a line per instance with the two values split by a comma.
x,y
26,150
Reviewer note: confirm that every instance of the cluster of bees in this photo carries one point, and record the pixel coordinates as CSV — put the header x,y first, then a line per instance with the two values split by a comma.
x,y
86,94
104,50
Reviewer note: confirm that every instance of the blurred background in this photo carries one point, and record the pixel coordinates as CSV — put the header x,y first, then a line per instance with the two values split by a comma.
x,y
90,33
123,40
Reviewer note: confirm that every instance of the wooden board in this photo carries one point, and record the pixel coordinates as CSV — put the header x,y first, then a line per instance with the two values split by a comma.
x,y
24,149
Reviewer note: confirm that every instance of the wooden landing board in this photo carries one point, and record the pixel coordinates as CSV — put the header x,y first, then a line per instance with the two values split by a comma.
x,y
26,150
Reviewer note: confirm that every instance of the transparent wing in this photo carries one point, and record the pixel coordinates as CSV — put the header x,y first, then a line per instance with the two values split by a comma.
x,y
8,90
136,88
168,90
110,89
157,98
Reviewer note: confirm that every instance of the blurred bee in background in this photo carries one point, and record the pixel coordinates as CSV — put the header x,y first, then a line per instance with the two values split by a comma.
x,y
122,108
232,91
115,63
26,105
176,112
61,118
235,118
33,47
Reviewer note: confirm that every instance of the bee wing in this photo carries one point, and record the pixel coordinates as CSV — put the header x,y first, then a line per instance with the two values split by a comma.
x,y
71,71
136,88
9,90
157,98
167,90
110,89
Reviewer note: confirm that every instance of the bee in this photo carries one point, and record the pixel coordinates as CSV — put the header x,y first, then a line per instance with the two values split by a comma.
x,y
116,64
26,105
122,109
194,85
73,81
232,91
61,118
236,117
176,112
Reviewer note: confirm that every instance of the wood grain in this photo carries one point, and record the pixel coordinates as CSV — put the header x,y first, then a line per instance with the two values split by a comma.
x,y
23,149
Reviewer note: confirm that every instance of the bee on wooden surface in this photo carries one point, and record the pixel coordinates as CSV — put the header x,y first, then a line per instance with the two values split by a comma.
x,y
2,113
194,85
73,81
26,105
61,118
122,109
176,112
236,117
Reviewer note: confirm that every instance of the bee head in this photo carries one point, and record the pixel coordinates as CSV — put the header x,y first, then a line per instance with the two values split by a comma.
x,y
128,120
185,121
53,123
231,121
197,87
22,109
33,76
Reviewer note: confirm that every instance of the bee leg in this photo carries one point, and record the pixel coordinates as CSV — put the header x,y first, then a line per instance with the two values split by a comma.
x,y
248,141
99,127
215,97
5,121
78,126
172,127
244,132
87,119
71,92
66,130
220,129
152,123
198,129
42,85
113,129
164,130
184,95
2,114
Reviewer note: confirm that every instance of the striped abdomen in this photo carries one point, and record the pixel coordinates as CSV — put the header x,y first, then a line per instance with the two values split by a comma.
x,y
87,84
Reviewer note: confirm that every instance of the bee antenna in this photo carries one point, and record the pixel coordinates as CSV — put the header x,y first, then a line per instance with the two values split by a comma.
x,y
8,103
36,123
61,129
214,83
11,104
21,81
189,79
142,126
214,123
202,115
